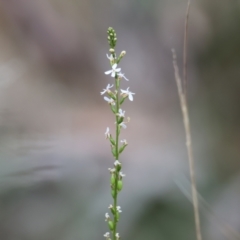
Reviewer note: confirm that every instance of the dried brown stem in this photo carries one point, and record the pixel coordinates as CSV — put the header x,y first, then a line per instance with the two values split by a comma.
x,y
184,108
185,43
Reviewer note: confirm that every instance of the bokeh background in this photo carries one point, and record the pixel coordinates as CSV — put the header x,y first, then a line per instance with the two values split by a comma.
x,y
54,182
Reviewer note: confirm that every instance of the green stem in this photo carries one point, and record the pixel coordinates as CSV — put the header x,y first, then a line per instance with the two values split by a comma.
x,y
117,156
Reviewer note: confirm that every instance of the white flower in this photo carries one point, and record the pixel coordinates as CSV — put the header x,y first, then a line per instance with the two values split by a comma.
x,y
111,58
107,134
107,235
128,93
123,125
122,75
109,100
113,71
119,209
110,206
122,175
107,89
124,142
121,113
117,235
116,163
107,217
112,170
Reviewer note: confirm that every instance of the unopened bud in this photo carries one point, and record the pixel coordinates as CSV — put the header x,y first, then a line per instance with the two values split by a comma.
x,y
112,179
122,54
118,216
113,193
113,151
111,225
120,185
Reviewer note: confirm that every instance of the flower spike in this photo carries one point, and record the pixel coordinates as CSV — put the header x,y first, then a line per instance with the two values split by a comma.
x,y
115,98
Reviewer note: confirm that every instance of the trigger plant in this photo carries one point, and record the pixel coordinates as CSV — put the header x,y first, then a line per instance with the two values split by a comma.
x,y
115,97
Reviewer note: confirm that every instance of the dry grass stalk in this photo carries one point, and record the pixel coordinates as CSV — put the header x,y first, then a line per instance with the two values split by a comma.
x,y
182,92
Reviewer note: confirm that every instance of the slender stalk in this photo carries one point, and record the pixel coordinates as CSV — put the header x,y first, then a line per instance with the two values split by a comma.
x,y
186,121
184,107
117,157
185,43
117,97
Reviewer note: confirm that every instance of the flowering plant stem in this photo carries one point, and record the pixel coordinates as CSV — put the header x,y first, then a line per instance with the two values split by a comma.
x,y
115,99
117,158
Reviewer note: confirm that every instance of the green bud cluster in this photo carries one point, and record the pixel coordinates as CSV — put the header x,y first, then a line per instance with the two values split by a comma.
x,y
112,37
116,179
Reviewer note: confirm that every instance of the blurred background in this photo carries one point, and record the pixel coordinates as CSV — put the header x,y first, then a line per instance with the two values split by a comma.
x,y
54,182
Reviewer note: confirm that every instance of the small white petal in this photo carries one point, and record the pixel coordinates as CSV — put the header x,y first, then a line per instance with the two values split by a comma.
x,y
106,99
121,113
107,235
122,175
110,57
117,163
106,89
108,72
130,97
119,209
111,170
124,142
107,217
123,91
121,75
113,74
109,86
114,66
109,100
107,134
123,125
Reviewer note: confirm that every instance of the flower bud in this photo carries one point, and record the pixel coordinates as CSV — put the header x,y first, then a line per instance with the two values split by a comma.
x,y
112,179
122,148
112,140
120,120
122,100
123,53
119,185
111,225
113,151
113,193
118,215
112,37
113,109
118,167
112,209
111,94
